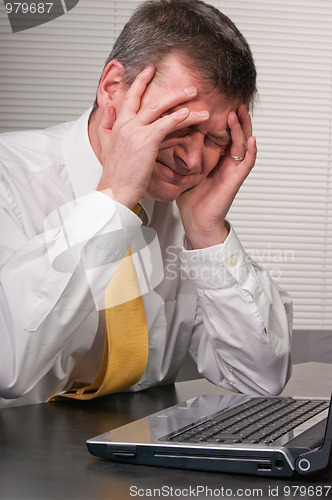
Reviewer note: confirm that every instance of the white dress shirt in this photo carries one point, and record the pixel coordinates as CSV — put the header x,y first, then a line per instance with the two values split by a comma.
x,y
61,241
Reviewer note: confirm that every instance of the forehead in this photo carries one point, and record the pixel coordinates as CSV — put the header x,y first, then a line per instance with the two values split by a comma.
x,y
173,73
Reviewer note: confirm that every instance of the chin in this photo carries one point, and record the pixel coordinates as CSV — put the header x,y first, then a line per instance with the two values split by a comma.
x,y
162,198
164,193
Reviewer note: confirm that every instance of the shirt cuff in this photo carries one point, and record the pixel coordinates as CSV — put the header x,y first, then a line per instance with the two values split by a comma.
x,y
219,266
94,224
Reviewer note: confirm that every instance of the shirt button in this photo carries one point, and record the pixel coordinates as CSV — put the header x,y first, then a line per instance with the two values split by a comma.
x,y
233,261
97,217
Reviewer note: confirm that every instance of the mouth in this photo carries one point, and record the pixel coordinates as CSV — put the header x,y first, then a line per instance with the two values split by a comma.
x,y
175,172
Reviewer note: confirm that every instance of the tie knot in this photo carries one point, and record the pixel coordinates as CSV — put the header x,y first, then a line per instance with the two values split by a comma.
x,y
136,209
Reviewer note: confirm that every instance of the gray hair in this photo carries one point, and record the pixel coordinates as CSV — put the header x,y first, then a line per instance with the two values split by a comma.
x,y
214,47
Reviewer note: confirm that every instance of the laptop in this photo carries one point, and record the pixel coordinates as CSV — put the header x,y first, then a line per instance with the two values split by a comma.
x,y
264,436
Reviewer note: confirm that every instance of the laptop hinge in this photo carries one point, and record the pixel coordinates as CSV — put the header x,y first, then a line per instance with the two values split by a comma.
x,y
313,461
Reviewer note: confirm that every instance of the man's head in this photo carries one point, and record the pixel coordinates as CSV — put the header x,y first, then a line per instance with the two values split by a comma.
x,y
187,44
213,46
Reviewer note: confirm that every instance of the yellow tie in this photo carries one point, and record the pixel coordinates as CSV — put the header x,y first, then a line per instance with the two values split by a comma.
x,y
126,341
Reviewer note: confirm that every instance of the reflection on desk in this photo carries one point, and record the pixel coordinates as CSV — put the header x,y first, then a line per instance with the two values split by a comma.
x,y
43,452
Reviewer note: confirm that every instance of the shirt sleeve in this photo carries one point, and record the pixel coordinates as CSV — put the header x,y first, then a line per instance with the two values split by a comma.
x,y
53,281
242,335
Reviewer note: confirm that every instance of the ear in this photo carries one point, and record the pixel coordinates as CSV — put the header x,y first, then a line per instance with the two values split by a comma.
x,y
110,83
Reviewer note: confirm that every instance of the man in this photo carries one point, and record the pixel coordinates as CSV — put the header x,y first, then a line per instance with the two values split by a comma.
x,y
155,167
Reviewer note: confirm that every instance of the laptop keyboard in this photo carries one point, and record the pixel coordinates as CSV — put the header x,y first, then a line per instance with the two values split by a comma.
x,y
260,420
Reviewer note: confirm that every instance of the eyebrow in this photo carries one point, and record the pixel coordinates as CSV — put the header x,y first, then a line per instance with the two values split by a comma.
x,y
224,136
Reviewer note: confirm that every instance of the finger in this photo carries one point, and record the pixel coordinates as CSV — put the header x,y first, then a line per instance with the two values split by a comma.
x,y
155,109
133,97
107,122
251,154
108,118
163,127
245,121
194,118
169,129
238,145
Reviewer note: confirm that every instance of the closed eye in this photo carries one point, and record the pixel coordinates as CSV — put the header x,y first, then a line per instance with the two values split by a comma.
x,y
218,143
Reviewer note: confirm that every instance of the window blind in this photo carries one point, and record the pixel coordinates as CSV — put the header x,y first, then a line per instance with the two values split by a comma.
x,y
283,213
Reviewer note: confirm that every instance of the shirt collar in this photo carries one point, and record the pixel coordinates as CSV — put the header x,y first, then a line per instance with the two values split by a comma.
x,y
84,168
147,205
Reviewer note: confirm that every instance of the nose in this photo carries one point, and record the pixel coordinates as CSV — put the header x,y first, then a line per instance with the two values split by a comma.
x,y
189,154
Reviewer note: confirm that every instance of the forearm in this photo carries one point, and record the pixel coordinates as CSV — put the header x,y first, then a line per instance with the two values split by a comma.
x,y
27,355
49,287
242,335
200,238
233,350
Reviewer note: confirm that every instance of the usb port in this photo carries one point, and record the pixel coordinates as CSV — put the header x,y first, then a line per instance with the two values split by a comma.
x,y
263,467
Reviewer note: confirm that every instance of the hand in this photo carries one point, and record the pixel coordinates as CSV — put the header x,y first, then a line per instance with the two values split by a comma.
x,y
130,138
204,207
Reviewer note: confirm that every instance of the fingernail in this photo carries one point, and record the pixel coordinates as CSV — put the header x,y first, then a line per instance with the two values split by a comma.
x,y
190,91
203,114
183,112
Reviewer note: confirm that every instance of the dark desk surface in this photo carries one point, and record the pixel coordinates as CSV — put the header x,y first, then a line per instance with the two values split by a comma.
x,y
43,452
